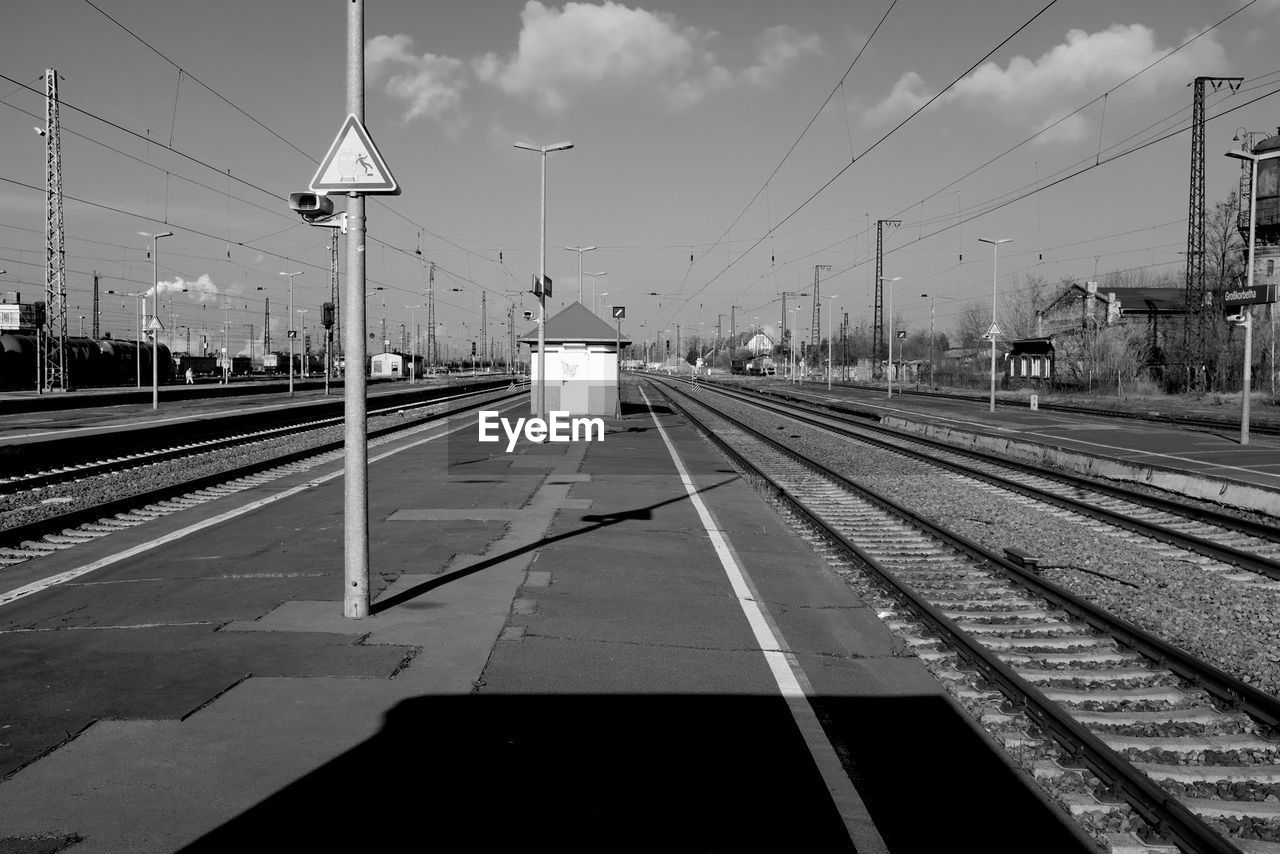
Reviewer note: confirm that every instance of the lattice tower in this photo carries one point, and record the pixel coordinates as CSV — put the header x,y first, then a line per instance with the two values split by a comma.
x,y
97,313
433,353
55,285
815,334
1195,319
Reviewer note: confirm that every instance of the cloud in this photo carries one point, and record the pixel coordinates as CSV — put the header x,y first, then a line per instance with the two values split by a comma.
x,y
431,85
908,95
778,48
1074,128
201,289
1085,64
563,53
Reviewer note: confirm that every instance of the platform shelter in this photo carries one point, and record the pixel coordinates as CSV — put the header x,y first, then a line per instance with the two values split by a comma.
x,y
582,362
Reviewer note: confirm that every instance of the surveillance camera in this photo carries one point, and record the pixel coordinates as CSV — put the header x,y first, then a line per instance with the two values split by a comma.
x,y
1235,318
311,206
39,131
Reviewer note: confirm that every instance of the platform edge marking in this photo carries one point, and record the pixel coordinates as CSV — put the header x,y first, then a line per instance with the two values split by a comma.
x,y
788,675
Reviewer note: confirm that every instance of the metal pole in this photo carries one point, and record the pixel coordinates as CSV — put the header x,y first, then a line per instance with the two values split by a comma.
x,y
1247,310
828,351
542,294
292,333
932,303
155,333
356,481
142,306
891,337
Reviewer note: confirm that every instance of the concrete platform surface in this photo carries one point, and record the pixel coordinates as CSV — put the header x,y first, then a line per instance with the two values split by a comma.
x,y
559,658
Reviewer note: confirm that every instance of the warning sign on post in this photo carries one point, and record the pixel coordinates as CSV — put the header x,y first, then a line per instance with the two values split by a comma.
x,y
354,165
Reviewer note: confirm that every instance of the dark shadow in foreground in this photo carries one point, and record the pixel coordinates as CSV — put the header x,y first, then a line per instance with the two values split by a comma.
x,y
645,772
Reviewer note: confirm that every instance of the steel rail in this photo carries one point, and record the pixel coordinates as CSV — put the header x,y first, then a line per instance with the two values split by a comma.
x,y
121,457
34,531
1158,807
1191,542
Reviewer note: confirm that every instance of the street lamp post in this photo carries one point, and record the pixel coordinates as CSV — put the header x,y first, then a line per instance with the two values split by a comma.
x,y
602,302
542,272
995,259
413,346
594,276
580,250
305,353
830,311
892,332
1247,310
155,333
292,332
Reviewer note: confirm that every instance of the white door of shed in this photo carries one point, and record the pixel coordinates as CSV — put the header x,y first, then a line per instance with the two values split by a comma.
x,y
574,382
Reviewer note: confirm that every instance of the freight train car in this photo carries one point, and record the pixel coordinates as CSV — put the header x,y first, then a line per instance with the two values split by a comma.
x,y
89,363
200,366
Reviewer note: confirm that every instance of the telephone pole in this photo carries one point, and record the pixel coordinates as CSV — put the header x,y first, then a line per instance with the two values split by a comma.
x,y
877,332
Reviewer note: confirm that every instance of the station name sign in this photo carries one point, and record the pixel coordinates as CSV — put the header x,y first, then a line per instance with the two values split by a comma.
x,y
1256,295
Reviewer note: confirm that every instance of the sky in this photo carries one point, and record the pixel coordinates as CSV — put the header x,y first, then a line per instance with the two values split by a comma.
x,y
758,138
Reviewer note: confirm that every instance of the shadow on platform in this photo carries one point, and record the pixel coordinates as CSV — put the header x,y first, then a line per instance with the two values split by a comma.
x,y
647,772
595,523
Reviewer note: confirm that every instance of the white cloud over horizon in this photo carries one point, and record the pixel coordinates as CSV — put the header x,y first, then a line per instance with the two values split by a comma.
x,y
568,52
431,85
1042,90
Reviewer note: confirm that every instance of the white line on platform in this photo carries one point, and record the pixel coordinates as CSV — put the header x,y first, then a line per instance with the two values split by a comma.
x,y
71,574
787,672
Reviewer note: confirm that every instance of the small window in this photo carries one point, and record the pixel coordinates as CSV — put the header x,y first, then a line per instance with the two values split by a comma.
x,y
1271,267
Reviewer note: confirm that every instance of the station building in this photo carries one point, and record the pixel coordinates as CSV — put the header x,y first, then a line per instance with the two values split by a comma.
x,y
581,363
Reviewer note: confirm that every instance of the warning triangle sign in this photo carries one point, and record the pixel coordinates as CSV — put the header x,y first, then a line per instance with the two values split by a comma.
x,y
354,165
993,331
154,324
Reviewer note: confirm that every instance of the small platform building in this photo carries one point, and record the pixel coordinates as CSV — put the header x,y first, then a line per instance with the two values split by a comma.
x,y
582,362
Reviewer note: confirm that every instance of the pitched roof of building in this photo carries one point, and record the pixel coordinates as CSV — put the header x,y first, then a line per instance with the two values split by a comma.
x,y
1129,299
575,323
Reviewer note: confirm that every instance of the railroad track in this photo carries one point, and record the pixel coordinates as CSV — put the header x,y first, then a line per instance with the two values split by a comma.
x,y
146,456
1177,749
20,543
1152,416
1225,542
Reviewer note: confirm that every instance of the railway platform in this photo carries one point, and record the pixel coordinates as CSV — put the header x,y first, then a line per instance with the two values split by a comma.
x,y
613,645
1196,461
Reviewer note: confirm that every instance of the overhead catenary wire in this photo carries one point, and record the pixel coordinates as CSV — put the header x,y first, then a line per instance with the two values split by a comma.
x,y
1046,129
876,144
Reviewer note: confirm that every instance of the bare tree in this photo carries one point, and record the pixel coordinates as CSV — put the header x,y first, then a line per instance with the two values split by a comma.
x,y
1019,304
972,323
